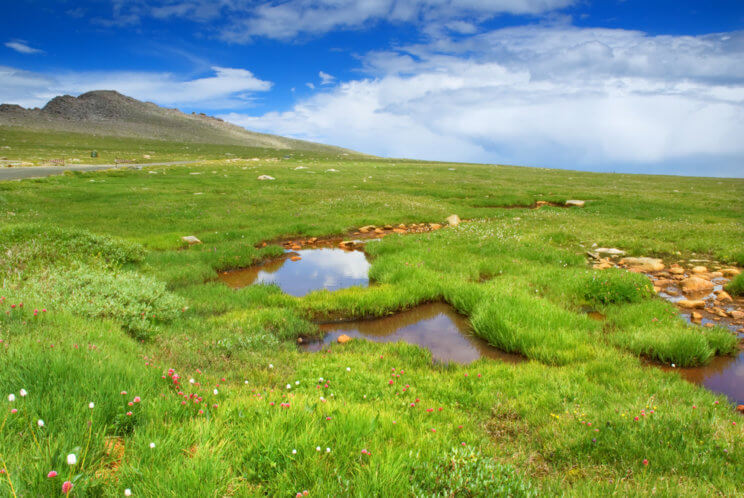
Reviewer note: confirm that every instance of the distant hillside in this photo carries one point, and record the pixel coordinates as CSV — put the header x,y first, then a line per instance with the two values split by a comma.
x,y
106,112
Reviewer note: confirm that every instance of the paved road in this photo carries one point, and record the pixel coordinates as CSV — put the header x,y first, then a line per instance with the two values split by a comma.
x,y
19,173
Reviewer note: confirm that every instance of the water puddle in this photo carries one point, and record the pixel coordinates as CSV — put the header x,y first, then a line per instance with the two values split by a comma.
x,y
435,326
722,375
299,272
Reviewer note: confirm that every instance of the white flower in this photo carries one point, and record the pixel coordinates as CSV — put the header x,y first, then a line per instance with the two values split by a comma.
x,y
348,369
191,380
152,445
245,382
91,405
328,450
317,448
297,382
271,365
11,397
40,423
320,380
127,492
216,392
23,393
294,452
289,386
71,459
674,366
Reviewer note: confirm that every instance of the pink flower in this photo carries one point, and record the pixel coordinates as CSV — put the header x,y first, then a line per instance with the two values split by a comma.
x,y
137,399
645,462
129,414
52,474
66,487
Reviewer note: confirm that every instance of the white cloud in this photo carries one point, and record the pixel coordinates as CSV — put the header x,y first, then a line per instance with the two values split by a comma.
x,y
311,86
548,96
225,88
241,21
326,79
22,47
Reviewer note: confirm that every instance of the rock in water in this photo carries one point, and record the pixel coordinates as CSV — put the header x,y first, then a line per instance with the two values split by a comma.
x,y
191,240
453,220
643,264
693,285
343,339
575,203
686,303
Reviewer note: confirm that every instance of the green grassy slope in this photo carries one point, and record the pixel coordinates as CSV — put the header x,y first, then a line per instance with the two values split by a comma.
x,y
125,301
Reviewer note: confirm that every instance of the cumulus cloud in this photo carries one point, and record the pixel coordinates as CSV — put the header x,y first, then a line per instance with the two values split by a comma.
x,y
550,96
224,88
22,47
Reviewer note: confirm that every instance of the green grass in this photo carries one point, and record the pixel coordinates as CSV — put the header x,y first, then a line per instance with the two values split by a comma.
x,y
97,250
736,286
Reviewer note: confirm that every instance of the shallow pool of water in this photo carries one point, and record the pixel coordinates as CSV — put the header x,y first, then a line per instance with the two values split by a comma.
x,y
435,326
722,375
316,269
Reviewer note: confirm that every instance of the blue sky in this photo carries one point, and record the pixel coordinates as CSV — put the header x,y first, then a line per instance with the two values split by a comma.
x,y
626,86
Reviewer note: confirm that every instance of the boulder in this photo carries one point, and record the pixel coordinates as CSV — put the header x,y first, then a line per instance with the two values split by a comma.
x,y
676,270
724,296
346,244
453,220
696,317
435,226
740,408
343,339
736,314
693,285
191,240
295,258
575,203
367,228
643,264
689,304
699,269
266,177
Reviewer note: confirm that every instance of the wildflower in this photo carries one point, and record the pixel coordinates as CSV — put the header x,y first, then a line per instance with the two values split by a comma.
x,y
271,365
645,461
123,393
136,399
40,423
328,450
11,397
317,448
289,386
129,414
348,369
71,459
216,392
91,405
297,382
13,411
23,393
152,445
191,380
66,487
127,492
52,474
294,452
